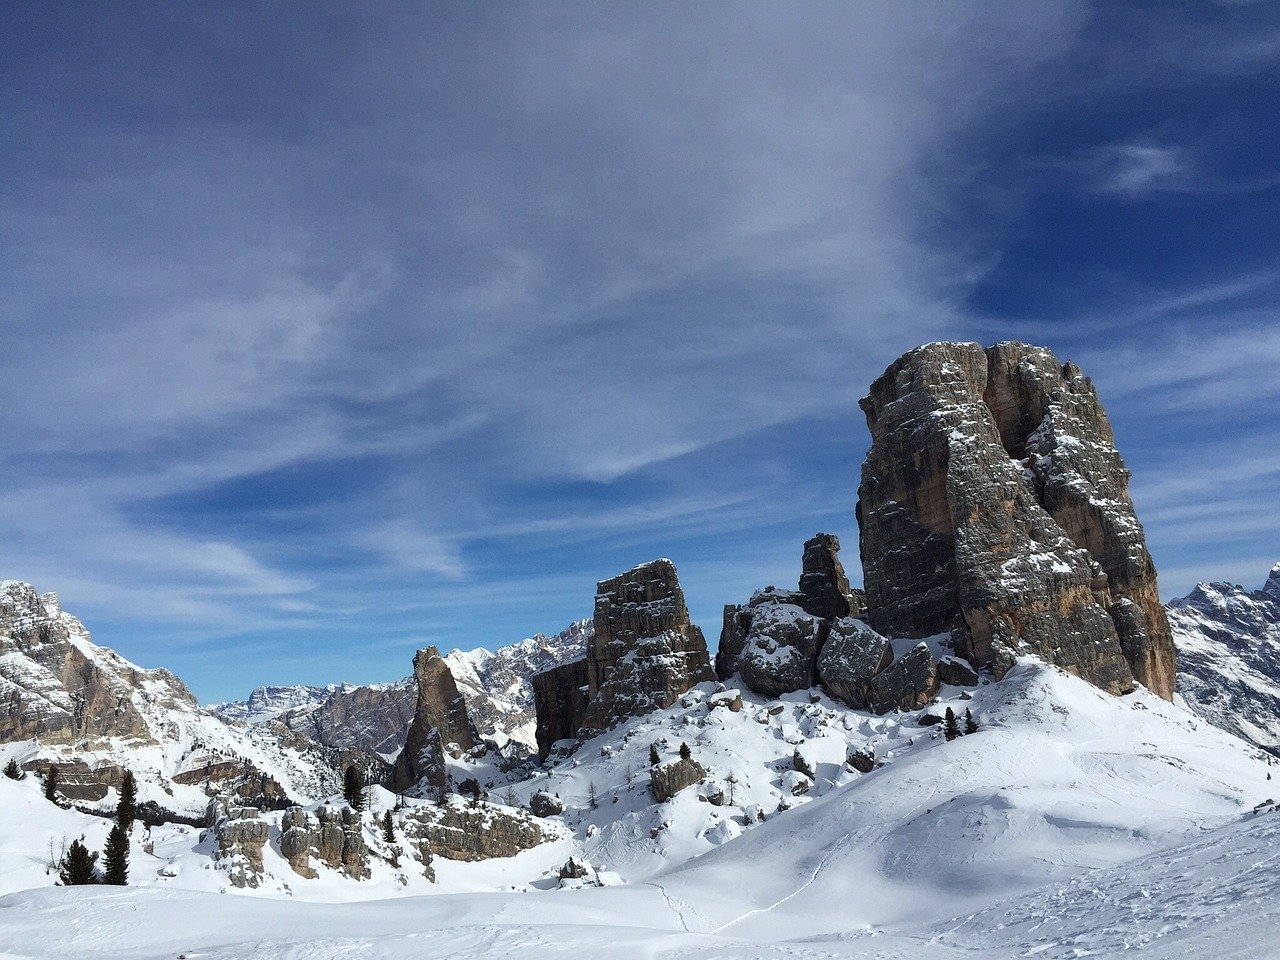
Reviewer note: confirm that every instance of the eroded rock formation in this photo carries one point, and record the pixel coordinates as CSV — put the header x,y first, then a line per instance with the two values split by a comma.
x,y
458,831
994,506
440,724
331,835
668,779
644,652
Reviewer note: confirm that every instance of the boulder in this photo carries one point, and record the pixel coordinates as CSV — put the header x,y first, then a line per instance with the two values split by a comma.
x,y
543,804
957,672
908,683
993,505
668,779
439,721
781,649
850,659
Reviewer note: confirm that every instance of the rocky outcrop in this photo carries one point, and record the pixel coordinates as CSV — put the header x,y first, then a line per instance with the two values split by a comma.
x,y
480,831
668,779
776,648
994,506
560,699
850,659
823,582
644,653
331,835
440,724
240,837
1228,642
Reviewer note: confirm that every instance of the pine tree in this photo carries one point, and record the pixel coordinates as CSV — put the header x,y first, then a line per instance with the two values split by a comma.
x,y
12,770
51,785
952,728
353,788
970,724
388,828
685,752
591,795
115,857
127,805
654,759
76,868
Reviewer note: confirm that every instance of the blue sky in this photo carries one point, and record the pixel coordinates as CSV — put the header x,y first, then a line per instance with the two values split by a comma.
x,y
331,331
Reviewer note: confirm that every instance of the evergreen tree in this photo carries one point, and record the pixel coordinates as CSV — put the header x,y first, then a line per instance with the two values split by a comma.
x,y
654,759
51,785
127,806
115,857
353,788
952,728
970,724
12,770
591,795
76,868
443,791
685,752
388,828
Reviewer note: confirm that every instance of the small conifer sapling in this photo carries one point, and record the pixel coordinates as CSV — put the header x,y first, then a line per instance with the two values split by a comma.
x,y
970,724
952,729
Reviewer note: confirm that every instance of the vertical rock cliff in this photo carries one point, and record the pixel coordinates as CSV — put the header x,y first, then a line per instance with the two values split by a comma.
x,y
994,506
644,652
439,722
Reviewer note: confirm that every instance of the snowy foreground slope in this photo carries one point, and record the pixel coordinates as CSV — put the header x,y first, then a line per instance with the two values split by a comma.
x,y
1073,823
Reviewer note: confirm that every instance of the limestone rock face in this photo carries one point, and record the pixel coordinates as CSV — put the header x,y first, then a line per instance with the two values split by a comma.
x,y
907,683
643,653
781,649
850,659
822,579
331,835
560,699
439,720
240,837
668,779
994,506
56,685
470,832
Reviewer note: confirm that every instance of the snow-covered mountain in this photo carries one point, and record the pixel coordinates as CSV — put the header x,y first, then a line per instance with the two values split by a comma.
x,y
268,703
1072,822
497,684
1228,641
375,717
68,701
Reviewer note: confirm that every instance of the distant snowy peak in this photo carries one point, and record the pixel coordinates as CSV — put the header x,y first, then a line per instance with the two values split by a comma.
x,y
1228,641
376,717
497,684
267,703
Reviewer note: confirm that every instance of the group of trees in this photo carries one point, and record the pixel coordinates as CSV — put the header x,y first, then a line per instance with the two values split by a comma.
x,y
655,758
79,865
951,726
